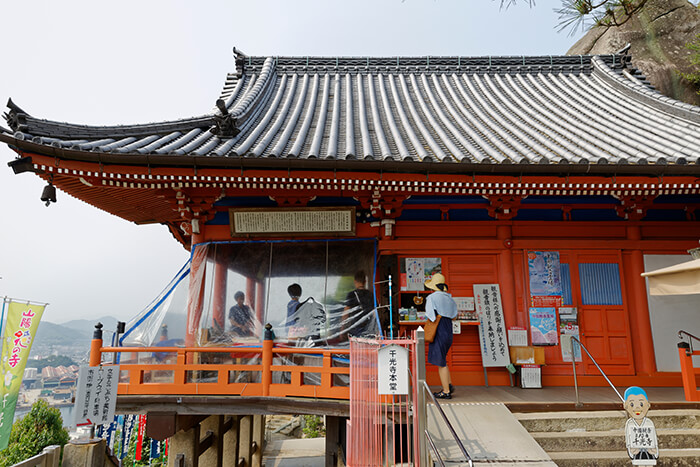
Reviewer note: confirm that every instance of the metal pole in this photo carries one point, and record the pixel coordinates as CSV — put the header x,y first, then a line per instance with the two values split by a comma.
x,y
2,319
422,409
391,312
573,364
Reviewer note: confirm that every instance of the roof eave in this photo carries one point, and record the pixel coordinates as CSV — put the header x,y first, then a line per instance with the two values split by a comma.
x,y
393,166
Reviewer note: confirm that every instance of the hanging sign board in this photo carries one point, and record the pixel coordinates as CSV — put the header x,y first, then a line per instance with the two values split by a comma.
x,y
96,396
492,329
392,374
299,221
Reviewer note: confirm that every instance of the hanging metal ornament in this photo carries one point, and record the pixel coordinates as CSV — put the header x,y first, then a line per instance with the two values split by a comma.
x,y
418,299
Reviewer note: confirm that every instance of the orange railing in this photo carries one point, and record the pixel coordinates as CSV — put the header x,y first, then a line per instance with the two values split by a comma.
x,y
688,371
237,370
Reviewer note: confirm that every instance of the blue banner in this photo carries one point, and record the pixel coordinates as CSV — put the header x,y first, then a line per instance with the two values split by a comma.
x,y
109,433
155,449
129,421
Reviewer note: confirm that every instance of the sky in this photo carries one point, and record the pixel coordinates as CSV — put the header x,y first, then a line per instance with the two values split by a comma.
x,y
103,63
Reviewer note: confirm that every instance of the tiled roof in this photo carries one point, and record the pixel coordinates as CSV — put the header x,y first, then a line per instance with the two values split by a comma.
x,y
506,110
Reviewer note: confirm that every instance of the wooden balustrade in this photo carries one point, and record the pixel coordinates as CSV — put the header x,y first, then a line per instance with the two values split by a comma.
x,y
236,370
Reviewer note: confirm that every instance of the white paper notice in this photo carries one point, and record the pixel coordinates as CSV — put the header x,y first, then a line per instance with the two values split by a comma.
x,y
530,376
517,337
492,330
464,303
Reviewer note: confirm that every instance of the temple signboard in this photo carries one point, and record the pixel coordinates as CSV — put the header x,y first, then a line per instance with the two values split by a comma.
x,y
298,221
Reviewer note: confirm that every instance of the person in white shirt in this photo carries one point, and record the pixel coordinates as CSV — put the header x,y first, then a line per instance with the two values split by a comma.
x,y
441,303
640,434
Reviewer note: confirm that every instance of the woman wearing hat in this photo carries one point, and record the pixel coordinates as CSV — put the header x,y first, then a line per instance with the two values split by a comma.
x,y
441,303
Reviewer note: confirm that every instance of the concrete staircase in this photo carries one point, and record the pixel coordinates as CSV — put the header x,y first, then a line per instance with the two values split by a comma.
x,y
584,438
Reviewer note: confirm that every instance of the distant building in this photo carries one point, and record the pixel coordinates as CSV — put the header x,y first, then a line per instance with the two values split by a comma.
x,y
53,377
30,380
68,381
62,394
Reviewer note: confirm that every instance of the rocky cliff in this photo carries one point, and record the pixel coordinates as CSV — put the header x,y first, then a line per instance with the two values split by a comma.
x,y
658,34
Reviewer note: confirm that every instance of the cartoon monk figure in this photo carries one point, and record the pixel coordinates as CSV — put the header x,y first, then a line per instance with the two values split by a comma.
x,y
640,434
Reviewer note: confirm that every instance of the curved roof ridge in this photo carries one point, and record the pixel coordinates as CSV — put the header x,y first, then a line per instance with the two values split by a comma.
x,y
643,93
427,62
20,120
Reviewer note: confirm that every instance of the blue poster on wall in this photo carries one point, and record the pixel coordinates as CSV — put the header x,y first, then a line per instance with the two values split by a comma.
x,y
543,326
545,278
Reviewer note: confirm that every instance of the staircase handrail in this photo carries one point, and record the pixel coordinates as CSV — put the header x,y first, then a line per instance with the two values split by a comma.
x,y
573,363
681,333
434,448
449,426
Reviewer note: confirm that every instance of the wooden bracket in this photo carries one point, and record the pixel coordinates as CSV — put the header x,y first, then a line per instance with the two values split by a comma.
x,y
634,208
503,207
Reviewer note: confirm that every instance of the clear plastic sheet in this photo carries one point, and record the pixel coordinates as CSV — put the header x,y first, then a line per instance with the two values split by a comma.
x,y
228,291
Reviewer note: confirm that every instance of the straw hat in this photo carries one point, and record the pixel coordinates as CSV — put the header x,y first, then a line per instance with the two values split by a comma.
x,y
434,281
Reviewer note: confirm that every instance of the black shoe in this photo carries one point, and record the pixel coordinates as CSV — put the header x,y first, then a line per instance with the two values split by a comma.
x,y
452,389
442,395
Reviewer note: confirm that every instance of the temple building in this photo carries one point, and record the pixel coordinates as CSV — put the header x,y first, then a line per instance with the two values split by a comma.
x,y
488,169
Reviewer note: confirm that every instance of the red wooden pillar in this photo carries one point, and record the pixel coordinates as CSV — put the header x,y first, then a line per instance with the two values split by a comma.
x,y
640,323
250,293
260,301
506,275
219,305
195,298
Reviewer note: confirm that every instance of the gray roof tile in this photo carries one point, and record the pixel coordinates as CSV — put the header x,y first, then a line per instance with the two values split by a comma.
x,y
510,110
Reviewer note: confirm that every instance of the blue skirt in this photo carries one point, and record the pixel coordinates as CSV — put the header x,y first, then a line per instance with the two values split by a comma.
x,y
437,350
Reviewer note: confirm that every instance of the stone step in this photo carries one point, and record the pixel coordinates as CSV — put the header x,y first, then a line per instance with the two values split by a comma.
x,y
604,420
284,424
612,440
667,457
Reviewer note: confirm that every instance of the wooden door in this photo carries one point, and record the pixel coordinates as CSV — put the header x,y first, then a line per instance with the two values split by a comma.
x,y
603,318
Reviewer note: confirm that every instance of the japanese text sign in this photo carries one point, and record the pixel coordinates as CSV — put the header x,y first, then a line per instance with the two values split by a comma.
x,y
96,397
492,327
392,375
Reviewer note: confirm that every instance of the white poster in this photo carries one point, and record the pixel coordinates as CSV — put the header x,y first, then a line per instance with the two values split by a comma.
x,y
492,328
415,274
